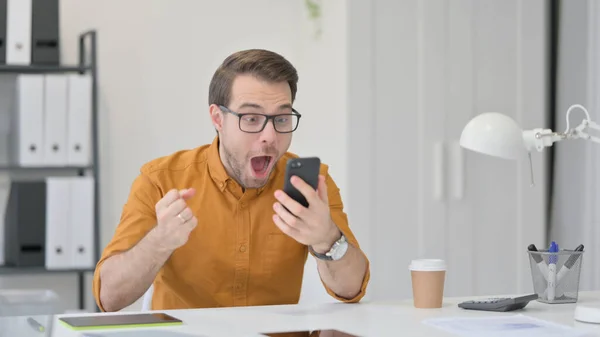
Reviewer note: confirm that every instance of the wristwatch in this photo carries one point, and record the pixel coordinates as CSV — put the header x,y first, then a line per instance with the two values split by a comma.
x,y
337,251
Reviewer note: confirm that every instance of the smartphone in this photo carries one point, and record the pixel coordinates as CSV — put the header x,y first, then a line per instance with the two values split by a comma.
x,y
306,169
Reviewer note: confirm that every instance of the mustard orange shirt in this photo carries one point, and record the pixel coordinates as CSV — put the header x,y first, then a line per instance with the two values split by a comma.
x,y
236,256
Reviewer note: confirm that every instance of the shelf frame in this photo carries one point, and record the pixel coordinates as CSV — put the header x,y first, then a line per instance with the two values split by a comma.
x,y
87,63
8,270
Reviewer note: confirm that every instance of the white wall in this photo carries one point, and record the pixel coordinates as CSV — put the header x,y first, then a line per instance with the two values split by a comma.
x,y
156,59
418,72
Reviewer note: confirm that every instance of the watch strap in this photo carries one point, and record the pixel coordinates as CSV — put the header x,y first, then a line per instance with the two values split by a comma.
x,y
320,256
328,256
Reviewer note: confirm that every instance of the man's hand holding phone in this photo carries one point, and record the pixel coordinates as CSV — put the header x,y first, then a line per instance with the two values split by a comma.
x,y
310,225
175,219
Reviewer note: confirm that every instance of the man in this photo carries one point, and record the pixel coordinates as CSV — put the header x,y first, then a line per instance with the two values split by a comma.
x,y
208,228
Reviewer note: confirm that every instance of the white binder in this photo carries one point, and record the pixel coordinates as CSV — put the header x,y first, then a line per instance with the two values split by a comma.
x,y
81,216
4,193
79,116
57,249
55,120
18,32
29,103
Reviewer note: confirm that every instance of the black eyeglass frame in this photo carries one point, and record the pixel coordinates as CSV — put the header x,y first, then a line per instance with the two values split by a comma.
x,y
268,117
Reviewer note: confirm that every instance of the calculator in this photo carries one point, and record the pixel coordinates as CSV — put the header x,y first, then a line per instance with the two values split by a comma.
x,y
499,303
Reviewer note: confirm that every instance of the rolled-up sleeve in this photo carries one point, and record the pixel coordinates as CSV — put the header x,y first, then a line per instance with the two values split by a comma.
x,y
340,218
137,219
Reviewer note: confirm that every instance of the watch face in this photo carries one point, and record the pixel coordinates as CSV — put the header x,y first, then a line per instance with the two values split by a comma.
x,y
340,250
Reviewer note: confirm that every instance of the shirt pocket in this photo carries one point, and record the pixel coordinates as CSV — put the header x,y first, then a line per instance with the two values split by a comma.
x,y
283,257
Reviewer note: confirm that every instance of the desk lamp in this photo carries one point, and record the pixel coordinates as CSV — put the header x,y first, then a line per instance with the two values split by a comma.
x,y
498,135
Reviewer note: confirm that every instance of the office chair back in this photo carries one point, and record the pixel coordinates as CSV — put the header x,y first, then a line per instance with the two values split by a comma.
x,y
147,300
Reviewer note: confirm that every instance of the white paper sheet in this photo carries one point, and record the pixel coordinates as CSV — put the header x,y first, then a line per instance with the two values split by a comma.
x,y
505,326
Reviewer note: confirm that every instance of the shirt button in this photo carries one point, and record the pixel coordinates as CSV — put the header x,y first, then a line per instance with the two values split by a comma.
x,y
242,248
243,204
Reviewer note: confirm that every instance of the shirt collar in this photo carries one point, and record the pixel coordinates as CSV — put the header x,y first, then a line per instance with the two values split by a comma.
x,y
217,170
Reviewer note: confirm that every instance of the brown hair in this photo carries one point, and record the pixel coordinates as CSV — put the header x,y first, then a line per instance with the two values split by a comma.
x,y
261,63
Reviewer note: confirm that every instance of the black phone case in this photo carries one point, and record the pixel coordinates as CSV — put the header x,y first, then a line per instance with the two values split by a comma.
x,y
305,168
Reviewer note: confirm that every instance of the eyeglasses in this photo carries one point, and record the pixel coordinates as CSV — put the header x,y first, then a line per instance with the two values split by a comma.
x,y
255,123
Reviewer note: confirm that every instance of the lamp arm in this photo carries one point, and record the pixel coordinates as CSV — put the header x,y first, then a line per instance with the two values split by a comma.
x,y
538,139
587,116
579,131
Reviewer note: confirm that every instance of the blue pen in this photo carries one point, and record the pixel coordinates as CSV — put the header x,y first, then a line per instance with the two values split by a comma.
x,y
552,270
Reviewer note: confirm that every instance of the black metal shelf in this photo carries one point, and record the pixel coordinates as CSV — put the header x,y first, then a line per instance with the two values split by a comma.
x,y
41,69
43,168
86,63
11,270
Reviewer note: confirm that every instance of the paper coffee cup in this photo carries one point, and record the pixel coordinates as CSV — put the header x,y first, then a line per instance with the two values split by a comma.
x,y
428,278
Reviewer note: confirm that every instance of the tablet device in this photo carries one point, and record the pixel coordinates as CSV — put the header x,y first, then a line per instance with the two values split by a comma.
x,y
114,321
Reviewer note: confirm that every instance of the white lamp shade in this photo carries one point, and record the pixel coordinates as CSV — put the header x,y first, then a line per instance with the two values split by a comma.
x,y
494,134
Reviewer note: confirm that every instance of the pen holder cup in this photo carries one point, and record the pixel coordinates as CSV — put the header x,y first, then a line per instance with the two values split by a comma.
x,y
556,276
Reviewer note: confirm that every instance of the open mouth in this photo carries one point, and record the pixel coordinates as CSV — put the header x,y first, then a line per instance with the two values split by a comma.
x,y
260,165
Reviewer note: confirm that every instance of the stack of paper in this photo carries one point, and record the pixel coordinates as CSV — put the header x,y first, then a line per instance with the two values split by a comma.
x,y
503,326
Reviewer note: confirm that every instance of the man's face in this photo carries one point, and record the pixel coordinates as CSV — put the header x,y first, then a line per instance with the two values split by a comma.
x,y
249,158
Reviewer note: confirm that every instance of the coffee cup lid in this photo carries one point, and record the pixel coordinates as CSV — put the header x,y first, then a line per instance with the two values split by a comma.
x,y
427,265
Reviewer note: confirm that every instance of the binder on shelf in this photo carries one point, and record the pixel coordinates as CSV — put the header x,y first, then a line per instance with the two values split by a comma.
x,y
55,120
81,216
3,23
18,32
57,243
69,223
79,116
4,191
29,117
45,32
7,115
25,224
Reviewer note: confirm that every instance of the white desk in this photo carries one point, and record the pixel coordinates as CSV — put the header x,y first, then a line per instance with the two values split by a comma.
x,y
363,319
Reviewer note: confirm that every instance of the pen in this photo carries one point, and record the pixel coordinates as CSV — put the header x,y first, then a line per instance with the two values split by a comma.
x,y
539,260
35,325
552,270
568,265
566,268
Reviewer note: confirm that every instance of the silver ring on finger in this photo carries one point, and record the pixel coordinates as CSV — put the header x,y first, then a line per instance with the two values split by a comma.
x,y
183,220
